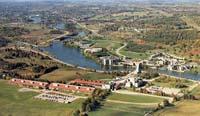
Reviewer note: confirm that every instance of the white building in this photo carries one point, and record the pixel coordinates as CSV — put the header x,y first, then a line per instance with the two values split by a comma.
x,y
136,82
93,50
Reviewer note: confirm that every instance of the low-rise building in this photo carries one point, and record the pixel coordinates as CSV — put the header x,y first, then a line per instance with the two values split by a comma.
x,y
29,83
73,88
110,60
136,82
94,83
93,50
106,86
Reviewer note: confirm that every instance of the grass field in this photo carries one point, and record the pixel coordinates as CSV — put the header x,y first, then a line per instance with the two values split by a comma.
x,y
115,109
68,75
107,43
183,108
135,55
196,91
14,103
134,98
171,82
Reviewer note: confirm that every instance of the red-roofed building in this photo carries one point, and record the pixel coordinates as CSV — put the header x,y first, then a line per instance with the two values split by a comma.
x,y
29,83
94,83
73,88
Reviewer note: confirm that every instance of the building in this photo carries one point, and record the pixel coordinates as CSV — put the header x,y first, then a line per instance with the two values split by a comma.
x,y
128,63
29,83
110,60
73,88
106,86
138,68
93,50
83,82
136,82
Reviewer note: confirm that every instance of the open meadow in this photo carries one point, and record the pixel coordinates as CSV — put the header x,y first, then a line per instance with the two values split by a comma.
x,y
134,98
14,103
117,109
182,108
68,75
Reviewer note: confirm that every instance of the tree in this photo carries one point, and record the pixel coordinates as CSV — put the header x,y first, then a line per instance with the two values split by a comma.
x,y
165,103
83,107
76,113
88,107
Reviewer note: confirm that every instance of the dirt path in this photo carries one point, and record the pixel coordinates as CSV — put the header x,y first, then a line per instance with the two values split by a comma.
x,y
118,50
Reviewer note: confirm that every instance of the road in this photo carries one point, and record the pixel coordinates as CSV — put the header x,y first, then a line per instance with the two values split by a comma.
x,y
84,27
118,51
60,36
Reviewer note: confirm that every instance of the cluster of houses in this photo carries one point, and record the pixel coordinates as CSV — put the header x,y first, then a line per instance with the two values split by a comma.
x,y
171,62
128,81
109,60
52,86
81,85
120,82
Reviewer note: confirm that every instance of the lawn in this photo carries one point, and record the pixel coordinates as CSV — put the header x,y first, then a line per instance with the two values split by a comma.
x,y
135,55
14,103
196,91
107,43
115,109
134,98
171,82
70,74
183,108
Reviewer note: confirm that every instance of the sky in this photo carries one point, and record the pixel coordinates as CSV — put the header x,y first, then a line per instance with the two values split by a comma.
x,y
108,0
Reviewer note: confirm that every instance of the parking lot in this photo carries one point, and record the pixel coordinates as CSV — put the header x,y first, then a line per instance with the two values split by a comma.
x,y
56,97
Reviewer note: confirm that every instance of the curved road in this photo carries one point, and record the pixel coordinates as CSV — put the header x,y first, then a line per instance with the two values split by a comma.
x,y
118,50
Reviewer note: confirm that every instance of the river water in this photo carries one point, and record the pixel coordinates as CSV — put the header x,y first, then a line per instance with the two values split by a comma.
x,y
75,57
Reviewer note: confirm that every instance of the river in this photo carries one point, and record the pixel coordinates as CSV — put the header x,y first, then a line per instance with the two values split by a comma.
x,y
75,57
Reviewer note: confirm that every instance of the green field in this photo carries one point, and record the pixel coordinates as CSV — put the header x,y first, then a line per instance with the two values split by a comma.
x,y
135,55
14,103
68,75
182,108
134,98
171,82
196,91
115,109
107,43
